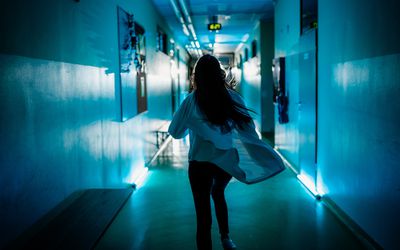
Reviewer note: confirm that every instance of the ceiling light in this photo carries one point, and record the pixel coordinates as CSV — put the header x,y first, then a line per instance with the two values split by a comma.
x,y
185,30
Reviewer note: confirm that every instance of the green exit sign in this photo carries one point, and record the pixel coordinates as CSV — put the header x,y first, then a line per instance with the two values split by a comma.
x,y
214,26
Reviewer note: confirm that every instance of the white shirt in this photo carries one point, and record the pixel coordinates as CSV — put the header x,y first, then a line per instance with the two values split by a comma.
x,y
240,152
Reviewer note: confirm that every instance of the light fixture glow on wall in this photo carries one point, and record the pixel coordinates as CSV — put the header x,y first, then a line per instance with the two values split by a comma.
x,y
309,184
303,179
140,177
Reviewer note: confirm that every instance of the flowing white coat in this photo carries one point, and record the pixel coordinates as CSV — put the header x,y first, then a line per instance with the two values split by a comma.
x,y
240,152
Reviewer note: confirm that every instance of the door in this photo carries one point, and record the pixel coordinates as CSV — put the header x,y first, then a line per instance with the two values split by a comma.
x,y
308,109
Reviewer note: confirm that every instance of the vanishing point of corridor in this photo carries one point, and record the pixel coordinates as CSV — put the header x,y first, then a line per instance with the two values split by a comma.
x,y
89,87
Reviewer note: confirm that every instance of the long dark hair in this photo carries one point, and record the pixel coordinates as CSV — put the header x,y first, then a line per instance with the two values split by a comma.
x,y
213,97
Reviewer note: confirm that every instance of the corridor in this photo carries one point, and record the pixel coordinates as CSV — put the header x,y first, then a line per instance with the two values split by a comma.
x,y
276,214
88,89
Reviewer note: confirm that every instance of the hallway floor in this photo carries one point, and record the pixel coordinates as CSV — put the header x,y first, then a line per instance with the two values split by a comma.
x,y
275,214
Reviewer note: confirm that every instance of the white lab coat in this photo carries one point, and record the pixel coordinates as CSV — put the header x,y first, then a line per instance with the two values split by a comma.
x,y
240,152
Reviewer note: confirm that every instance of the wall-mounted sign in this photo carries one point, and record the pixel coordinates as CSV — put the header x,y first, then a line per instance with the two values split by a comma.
x,y
214,26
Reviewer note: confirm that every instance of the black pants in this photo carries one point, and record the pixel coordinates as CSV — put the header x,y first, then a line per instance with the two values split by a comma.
x,y
207,179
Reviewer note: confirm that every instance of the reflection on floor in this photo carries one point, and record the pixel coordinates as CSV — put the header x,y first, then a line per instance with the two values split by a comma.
x,y
275,214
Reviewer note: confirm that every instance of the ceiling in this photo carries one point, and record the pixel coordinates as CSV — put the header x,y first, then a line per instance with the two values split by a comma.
x,y
238,18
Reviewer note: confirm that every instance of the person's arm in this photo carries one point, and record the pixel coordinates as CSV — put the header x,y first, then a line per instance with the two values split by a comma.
x,y
179,124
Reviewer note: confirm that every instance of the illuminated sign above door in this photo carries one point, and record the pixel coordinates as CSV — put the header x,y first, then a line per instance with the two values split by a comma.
x,y
214,26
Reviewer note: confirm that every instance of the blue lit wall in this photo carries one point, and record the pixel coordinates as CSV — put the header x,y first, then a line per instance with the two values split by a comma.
x,y
358,122
287,35
256,84
59,129
296,138
250,84
267,86
359,137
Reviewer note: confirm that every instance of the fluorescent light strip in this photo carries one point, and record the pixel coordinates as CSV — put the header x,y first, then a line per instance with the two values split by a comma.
x,y
302,178
141,178
309,185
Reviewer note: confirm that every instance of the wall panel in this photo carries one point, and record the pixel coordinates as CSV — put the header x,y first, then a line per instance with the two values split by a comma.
x,y
60,129
358,131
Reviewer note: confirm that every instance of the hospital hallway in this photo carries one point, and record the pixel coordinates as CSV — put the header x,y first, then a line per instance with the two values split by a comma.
x,y
278,213
89,90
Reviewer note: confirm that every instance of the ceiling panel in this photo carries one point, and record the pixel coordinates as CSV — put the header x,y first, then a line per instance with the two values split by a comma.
x,y
229,7
238,18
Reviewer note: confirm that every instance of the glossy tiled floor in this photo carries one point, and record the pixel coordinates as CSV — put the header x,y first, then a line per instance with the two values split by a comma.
x,y
275,214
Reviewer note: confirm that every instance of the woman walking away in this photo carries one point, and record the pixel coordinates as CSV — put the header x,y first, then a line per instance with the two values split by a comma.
x,y
223,143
